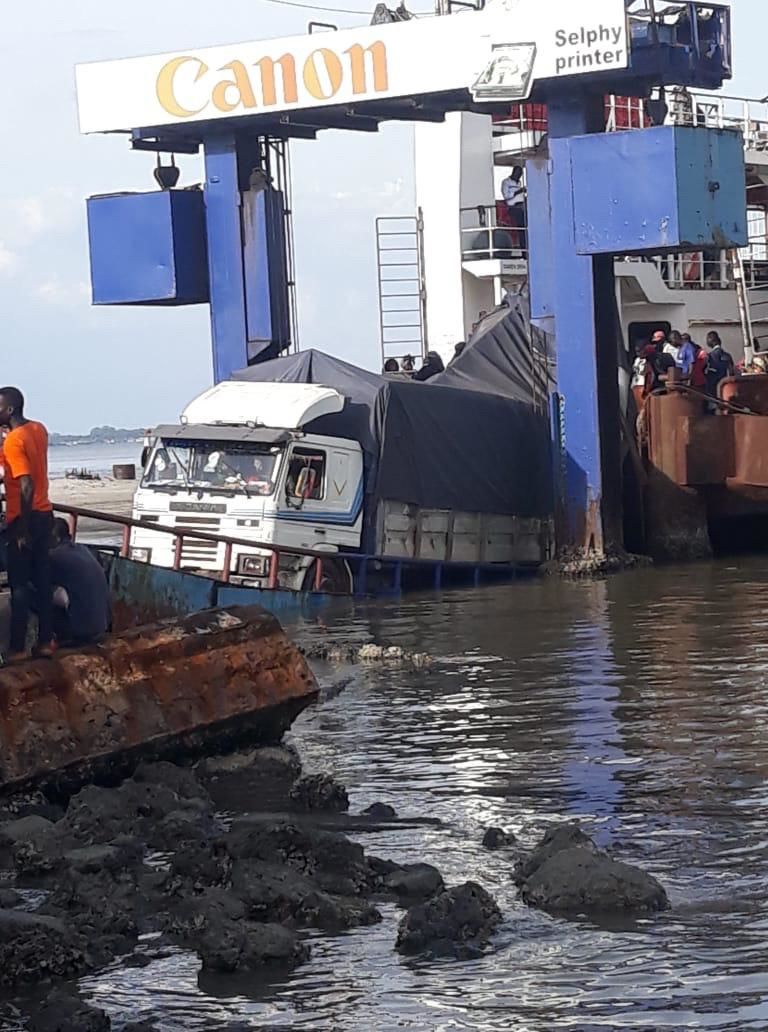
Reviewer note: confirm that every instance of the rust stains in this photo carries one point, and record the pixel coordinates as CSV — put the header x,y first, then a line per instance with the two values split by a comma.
x,y
211,680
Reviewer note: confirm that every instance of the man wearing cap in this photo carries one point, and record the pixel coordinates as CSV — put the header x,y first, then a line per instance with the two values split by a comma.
x,y
658,361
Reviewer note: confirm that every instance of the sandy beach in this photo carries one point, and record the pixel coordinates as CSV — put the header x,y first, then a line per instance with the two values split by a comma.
x,y
107,495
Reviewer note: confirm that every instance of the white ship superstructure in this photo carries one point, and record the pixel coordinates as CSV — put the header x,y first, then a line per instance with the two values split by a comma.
x,y
460,254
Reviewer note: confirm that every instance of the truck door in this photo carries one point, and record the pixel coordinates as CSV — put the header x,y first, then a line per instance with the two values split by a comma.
x,y
329,481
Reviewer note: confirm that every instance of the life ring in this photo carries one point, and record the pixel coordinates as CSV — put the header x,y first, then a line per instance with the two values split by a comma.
x,y
692,267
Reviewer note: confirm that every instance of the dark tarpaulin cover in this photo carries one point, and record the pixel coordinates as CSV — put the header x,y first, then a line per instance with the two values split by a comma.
x,y
428,445
497,360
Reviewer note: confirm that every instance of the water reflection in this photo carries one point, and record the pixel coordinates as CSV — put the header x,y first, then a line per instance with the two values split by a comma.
x,y
637,705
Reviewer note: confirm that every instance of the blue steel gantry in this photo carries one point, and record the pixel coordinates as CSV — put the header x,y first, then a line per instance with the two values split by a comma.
x,y
596,194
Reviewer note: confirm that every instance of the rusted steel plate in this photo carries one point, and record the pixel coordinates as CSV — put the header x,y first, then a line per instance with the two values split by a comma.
x,y
751,448
209,681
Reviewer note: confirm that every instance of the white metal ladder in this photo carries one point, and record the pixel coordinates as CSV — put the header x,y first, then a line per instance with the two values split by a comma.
x,y
751,300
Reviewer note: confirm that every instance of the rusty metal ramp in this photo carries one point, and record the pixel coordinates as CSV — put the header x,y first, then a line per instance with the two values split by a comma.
x,y
207,682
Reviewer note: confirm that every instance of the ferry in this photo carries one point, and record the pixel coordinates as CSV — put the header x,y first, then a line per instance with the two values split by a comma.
x,y
458,255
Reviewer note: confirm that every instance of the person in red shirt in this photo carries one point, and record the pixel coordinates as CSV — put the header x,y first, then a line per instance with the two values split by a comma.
x,y
29,515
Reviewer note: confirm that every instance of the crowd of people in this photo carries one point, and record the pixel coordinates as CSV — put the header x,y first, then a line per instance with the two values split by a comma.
x,y
406,369
675,356
49,575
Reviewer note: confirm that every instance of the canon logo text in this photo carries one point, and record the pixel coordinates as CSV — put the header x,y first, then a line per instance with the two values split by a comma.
x,y
187,87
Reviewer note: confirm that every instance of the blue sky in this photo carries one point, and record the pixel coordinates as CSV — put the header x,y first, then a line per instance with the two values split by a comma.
x,y
81,366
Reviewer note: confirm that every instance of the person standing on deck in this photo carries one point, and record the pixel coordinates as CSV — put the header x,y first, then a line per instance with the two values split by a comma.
x,y
29,514
673,345
719,364
513,192
686,355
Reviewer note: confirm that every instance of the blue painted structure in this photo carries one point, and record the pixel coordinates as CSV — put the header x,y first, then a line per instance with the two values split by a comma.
x,y
601,195
148,248
142,594
572,233
225,245
663,189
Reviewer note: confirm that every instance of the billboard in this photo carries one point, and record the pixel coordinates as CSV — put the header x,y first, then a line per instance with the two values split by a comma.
x,y
497,54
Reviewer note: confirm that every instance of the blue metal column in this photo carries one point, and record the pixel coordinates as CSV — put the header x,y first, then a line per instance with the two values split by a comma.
x,y
581,302
225,256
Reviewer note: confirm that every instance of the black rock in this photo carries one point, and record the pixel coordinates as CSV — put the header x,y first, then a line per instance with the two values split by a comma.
x,y
64,1013
202,864
579,880
497,838
319,792
24,829
459,920
97,815
276,893
124,851
9,899
183,827
216,926
379,870
414,882
381,812
34,948
330,859
51,811
563,836
181,780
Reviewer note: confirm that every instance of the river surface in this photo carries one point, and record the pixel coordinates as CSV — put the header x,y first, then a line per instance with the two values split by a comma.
x,y
638,706
95,458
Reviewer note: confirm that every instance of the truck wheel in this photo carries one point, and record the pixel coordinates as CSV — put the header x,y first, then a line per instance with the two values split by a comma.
x,y
335,579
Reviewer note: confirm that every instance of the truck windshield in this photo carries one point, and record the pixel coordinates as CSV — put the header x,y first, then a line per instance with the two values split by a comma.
x,y
208,466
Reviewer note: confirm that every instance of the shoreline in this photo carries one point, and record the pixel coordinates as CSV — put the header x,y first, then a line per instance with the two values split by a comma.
x,y
112,497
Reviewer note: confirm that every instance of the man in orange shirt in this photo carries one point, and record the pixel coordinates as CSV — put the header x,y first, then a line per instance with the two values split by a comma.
x,y
30,521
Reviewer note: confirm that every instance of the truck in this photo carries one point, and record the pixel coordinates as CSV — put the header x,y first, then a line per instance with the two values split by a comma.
x,y
309,453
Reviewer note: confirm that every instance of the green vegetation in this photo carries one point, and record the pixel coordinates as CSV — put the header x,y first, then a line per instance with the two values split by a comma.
x,y
99,435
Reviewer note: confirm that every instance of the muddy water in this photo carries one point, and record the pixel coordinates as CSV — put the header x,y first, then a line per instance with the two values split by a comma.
x,y
638,706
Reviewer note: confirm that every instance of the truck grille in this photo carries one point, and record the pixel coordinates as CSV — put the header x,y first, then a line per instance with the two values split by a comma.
x,y
193,551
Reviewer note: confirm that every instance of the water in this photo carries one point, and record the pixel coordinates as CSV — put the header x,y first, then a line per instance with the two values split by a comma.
x,y
96,458
638,706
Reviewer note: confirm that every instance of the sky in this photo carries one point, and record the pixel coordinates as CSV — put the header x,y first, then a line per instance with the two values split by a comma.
x,y
82,366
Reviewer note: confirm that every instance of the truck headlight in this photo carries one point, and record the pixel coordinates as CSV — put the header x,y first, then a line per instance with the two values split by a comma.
x,y
253,565
141,555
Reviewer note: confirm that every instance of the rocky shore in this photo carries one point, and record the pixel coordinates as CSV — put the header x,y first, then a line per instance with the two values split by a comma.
x,y
153,855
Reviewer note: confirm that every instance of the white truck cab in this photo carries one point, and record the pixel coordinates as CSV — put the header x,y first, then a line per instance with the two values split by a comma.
x,y
240,464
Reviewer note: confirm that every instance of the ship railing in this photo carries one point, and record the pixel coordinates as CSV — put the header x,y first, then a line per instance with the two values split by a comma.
x,y
713,269
713,111
525,125
360,562
489,232
127,524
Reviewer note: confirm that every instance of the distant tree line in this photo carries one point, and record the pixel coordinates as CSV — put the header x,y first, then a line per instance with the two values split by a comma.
x,y
99,435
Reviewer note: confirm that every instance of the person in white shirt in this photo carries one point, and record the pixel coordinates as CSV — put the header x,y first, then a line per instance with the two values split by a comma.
x,y
673,346
513,192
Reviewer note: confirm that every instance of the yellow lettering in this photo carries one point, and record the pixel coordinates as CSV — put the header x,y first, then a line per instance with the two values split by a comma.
x,y
266,67
166,86
378,53
333,70
239,82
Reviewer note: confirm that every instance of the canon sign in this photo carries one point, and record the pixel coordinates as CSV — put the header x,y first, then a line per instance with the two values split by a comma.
x,y
493,53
